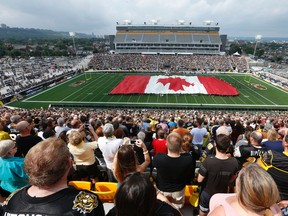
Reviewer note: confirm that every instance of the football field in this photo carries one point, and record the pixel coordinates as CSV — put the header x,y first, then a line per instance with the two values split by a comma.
x,y
92,90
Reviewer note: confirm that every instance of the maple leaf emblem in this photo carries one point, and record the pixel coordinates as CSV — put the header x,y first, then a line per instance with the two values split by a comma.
x,y
176,83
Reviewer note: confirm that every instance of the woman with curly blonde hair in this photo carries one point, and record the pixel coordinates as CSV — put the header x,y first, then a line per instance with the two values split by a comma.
x,y
83,155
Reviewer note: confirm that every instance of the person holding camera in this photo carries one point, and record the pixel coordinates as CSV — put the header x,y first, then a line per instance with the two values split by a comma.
x,y
125,160
83,154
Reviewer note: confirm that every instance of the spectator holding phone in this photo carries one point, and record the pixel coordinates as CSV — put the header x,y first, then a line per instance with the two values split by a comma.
x,y
126,161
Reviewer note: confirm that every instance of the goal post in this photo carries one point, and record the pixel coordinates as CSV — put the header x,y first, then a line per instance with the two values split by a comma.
x,y
247,78
87,75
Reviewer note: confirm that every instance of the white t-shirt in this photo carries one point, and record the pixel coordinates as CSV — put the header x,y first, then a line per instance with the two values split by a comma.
x,y
109,147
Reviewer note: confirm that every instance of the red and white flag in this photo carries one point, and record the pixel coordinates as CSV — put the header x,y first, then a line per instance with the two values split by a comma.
x,y
174,85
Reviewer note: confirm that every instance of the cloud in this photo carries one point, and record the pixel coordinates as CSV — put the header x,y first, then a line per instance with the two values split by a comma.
x,y
236,18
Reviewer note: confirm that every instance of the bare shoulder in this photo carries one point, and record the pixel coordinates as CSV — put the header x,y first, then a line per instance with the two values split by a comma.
x,y
218,211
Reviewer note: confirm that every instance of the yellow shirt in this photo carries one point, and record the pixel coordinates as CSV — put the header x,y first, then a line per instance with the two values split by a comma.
x,y
4,135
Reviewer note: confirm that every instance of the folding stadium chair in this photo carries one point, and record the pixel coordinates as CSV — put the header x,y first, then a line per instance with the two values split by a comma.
x,y
81,185
106,191
189,191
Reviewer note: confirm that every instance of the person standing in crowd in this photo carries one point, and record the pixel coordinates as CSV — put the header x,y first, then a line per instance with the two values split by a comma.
x,y
126,161
180,128
198,134
12,174
84,155
25,140
163,124
49,194
136,196
173,171
216,172
109,145
256,194
252,150
272,142
159,144
276,164
3,134
60,126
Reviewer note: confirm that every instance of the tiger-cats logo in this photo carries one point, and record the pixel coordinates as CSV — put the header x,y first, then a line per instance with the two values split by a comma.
x,y
85,202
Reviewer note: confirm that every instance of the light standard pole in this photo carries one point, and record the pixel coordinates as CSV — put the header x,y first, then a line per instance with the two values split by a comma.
x,y
72,34
257,39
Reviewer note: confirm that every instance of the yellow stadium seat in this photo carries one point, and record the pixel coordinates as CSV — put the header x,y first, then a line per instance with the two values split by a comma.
x,y
189,190
81,185
106,191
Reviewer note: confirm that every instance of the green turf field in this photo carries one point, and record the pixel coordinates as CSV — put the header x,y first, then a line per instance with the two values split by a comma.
x,y
93,90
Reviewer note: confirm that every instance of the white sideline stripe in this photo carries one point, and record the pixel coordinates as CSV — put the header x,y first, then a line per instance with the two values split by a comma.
x,y
89,102
254,90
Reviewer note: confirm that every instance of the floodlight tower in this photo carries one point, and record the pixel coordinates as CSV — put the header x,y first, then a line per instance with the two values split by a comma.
x,y
127,22
257,39
72,35
181,22
154,21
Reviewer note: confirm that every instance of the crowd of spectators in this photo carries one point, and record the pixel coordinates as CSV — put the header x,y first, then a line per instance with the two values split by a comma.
x,y
146,62
21,74
103,133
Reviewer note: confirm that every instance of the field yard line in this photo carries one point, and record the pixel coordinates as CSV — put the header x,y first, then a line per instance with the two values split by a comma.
x,y
148,98
213,98
223,100
52,88
271,85
129,99
234,101
185,98
244,90
138,99
85,86
102,84
256,92
128,103
204,98
195,100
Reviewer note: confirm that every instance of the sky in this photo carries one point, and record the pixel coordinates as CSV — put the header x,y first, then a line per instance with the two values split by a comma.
x,y
245,18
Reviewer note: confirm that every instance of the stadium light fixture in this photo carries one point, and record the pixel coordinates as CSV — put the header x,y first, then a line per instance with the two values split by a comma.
x,y
127,22
208,22
154,21
181,22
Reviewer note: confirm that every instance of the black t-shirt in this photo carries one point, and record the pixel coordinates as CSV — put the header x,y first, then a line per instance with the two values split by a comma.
x,y
68,201
24,144
172,173
242,153
217,173
277,167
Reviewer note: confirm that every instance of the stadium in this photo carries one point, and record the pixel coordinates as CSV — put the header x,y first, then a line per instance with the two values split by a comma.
x,y
155,78
147,50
